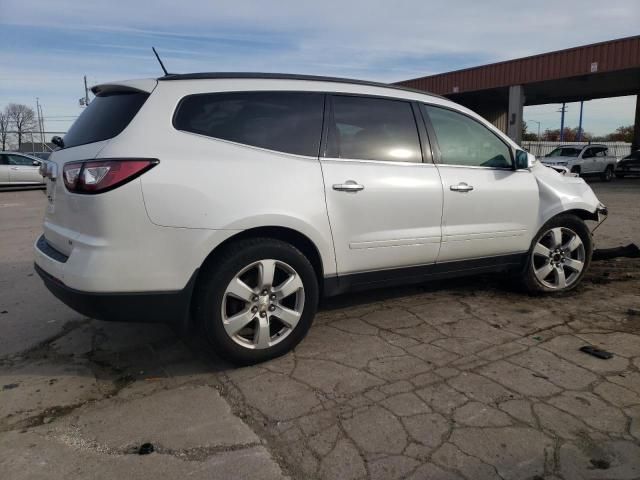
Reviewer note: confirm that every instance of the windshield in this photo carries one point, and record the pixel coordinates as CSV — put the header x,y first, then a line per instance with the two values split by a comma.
x,y
105,117
564,152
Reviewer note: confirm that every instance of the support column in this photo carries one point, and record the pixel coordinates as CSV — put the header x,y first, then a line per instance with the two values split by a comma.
x,y
514,119
635,140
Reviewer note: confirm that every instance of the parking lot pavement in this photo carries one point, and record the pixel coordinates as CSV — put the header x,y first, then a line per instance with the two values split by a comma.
x,y
460,379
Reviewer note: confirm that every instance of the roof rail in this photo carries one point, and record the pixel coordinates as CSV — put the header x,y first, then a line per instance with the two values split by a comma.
x,y
285,76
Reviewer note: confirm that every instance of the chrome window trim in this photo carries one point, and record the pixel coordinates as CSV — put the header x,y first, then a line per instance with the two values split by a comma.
x,y
384,162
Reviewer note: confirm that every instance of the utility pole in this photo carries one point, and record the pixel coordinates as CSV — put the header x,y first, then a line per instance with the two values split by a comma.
x,y
563,110
40,124
86,92
579,139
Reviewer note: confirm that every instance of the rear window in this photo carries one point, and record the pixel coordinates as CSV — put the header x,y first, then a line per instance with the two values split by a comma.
x,y
289,122
105,117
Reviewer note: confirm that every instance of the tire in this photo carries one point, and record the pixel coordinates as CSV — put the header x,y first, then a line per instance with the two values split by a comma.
x,y
607,175
552,261
219,310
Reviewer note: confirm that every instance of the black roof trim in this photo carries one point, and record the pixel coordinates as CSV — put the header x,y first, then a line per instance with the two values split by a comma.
x,y
286,76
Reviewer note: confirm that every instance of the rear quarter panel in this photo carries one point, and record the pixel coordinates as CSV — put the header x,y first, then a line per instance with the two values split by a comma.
x,y
209,184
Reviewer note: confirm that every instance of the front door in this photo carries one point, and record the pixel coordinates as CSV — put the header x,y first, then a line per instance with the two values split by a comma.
x,y
490,209
4,168
384,202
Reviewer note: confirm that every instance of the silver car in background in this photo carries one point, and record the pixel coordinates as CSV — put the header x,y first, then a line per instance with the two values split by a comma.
x,y
18,169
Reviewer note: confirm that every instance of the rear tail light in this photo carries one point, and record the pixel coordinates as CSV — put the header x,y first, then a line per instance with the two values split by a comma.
x,y
98,176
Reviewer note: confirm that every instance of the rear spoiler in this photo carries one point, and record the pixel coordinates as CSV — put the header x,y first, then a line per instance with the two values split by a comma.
x,y
146,85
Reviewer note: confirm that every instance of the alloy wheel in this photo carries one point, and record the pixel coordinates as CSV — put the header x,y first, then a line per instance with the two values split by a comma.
x,y
263,304
558,258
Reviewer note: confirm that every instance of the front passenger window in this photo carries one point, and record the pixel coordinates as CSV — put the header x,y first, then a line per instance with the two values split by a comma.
x,y
464,141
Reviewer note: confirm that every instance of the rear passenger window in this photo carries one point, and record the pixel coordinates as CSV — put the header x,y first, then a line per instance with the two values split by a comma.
x,y
601,152
464,141
373,129
288,122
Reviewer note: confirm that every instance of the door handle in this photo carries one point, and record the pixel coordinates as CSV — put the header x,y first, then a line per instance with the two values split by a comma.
x,y
15,168
348,186
461,187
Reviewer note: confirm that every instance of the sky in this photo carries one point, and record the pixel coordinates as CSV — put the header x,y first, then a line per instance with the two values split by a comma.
x,y
47,46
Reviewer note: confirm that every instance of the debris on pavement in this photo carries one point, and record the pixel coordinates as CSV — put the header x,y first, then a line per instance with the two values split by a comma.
x,y
630,251
145,449
596,352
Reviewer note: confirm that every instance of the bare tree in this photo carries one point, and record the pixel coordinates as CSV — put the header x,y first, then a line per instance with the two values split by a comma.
x,y
4,128
22,118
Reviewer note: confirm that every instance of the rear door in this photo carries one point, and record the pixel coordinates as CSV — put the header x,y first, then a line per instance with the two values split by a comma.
x,y
601,159
589,160
490,209
23,171
384,201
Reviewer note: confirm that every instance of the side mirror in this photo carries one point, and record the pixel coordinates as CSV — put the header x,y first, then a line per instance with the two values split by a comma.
x,y
58,142
524,160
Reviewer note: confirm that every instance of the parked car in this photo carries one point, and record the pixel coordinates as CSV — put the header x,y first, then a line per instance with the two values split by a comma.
x,y
584,160
237,200
41,155
629,165
17,169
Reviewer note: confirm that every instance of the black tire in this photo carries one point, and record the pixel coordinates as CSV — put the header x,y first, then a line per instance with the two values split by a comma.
x,y
529,280
225,266
607,175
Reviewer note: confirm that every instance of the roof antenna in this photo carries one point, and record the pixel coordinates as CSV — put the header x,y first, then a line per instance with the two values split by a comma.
x,y
160,61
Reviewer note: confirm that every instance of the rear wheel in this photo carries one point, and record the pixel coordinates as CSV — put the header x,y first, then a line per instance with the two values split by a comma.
x,y
259,301
607,175
560,255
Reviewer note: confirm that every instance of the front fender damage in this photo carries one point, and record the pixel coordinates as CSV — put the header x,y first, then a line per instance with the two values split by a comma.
x,y
566,193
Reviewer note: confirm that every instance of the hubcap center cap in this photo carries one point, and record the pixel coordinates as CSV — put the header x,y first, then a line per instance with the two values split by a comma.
x,y
263,303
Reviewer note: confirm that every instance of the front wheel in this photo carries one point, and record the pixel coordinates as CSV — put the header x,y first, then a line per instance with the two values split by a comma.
x,y
258,301
559,256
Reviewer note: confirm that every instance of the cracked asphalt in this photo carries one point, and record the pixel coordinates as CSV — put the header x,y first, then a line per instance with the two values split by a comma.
x,y
465,379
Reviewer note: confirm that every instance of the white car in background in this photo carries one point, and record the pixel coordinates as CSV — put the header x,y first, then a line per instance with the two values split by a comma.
x,y
18,169
237,200
583,160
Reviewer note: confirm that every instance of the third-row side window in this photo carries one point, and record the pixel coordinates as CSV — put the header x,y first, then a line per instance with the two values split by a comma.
x,y
288,122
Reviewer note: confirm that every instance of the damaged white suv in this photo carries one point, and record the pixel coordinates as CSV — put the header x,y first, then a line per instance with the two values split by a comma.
x,y
237,200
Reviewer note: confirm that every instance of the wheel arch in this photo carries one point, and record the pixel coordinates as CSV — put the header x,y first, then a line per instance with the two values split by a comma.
x,y
580,213
299,240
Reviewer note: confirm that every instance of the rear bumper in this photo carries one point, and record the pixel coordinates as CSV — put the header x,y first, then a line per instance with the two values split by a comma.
x,y
167,307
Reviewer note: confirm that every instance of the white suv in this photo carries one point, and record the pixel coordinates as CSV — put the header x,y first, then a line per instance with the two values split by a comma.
x,y
237,200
